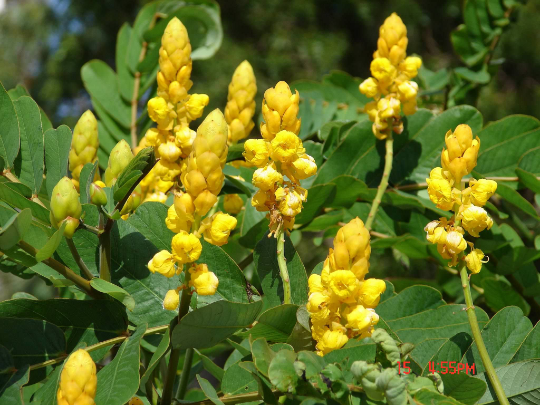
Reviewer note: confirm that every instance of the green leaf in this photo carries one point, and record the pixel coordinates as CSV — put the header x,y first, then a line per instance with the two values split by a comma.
x,y
503,335
265,259
238,380
470,50
281,371
213,323
514,198
161,351
428,397
503,142
463,387
481,76
529,180
500,294
114,291
253,227
275,324
9,132
101,82
118,381
125,77
31,341
520,382
530,348
52,244
209,390
348,189
300,337
139,166
210,366
29,163
262,355
362,351
235,152
433,81
17,200
319,196
13,230
57,146
11,386
85,180
91,328
129,271
110,132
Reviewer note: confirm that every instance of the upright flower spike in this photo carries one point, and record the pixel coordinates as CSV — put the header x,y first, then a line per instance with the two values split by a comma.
x,y
461,153
240,107
78,381
84,146
65,207
280,109
391,86
119,158
341,302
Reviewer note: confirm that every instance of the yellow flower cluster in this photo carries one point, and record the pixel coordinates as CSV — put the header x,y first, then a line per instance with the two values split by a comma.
x,y
78,381
341,301
444,189
84,146
203,179
172,110
279,154
240,107
391,84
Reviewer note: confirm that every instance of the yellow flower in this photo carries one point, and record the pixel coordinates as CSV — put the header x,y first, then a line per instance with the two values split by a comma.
x,y
166,170
184,138
290,200
169,151
186,247
452,247
162,263
256,152
155,137
241,104
233,203
195,106
160,112
408,90
218,228
475,219
369,87
259,200
280,109
267,177
315,283
317,306
176,223
344,285
171,301
331,340
409,107
304,167
286,147
370,292
410,66
383,71
438,235
440,189
360,318
78,381
388,107
205,282
184,207
462,152
474,261
481,191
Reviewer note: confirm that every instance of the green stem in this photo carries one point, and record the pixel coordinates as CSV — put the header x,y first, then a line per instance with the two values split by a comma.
x,y
477,335
78,259
185,300
104,228
184,377
384,181
282,263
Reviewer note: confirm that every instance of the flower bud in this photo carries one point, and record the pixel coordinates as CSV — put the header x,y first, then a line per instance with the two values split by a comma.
x,y
259,200
393,41
315,283
160,112
212,136
184,207
303,167
474,261
352,249
205,282
186,247
331,340
280,109
318,306
169,151
475,219
233,203
410,66
481,191
240,102
462,152
84,144
162,263
204,202
257,152
176,223
218,227
369,87
65,206
440,189
383,71
267,177
184,138
78,380
370,292
120,157
360,318
97,195
172,300
175,55
195,106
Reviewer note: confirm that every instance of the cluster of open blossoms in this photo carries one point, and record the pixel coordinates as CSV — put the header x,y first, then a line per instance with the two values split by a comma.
x,y
341,301
391,84
280,153
172,110
203,180
444,188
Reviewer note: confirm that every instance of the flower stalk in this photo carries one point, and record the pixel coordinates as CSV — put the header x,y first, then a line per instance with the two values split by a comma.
x,y
282,263
78,259
388,160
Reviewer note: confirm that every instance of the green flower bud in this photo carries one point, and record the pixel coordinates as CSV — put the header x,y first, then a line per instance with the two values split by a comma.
x,y
84,144
65,205
120,157
97,195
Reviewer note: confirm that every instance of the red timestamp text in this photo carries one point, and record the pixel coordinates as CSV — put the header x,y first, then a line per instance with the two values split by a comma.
x,y
443,367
